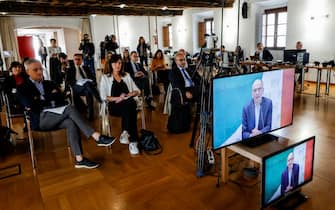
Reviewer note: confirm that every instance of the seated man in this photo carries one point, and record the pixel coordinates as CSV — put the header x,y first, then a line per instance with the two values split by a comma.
x,y
184,91
140,77
262,54
42,97
83,83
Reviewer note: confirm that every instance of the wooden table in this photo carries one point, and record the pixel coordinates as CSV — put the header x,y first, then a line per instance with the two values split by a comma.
x,y
255,154
267,65
318,78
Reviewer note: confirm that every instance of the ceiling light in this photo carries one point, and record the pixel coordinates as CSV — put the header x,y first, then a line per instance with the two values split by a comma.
x,y
123,5
93,15
164,8
3,13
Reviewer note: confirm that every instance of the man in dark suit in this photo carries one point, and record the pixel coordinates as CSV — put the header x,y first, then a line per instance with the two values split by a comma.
x,y
140,77
263,54
88,50
48,111
290,177
75,77
257,114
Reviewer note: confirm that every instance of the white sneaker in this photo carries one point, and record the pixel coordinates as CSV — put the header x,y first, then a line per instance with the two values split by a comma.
x,y
124,138
133,148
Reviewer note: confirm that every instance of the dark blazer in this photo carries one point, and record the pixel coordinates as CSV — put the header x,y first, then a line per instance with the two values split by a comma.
x,y
294,178
70,77
10,82
177,81
248,117
30,97
129,69
267,56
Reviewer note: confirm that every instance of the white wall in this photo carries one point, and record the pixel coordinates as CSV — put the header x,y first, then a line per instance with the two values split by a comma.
x,y
317,35
72,41
43,21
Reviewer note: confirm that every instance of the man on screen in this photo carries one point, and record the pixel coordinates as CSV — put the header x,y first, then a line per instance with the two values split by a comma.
x,y
290,177
257,114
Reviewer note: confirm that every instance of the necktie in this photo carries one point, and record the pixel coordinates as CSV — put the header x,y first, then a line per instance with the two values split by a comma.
x,y
187,77
82,73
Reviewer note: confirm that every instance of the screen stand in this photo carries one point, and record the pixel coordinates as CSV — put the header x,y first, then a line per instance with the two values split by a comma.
x,y
291,201
259,140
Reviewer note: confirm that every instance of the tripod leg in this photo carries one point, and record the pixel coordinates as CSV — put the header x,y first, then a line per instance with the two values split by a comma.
x,y
195,125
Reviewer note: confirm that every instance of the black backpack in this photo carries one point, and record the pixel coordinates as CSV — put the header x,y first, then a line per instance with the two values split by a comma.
x,y
149,143
6,146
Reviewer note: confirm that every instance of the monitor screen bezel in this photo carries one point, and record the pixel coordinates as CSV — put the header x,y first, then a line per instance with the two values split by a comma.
x,y
251,138
295,51
312,138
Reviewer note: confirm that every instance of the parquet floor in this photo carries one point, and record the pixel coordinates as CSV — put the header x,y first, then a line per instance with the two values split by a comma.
x,y
165,181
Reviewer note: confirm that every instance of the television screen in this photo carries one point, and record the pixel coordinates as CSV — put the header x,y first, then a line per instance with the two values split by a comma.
x,y
296,56
287,170
238,99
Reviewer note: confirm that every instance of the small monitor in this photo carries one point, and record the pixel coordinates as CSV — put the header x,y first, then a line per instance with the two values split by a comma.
x,y
296,56
287,170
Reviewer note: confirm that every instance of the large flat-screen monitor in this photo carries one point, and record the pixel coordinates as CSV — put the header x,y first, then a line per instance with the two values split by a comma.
x,y
296,56
250,105
287,170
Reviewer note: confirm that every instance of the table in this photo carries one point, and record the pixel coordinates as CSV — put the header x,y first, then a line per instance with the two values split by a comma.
x,y
253,153
318,78
270,66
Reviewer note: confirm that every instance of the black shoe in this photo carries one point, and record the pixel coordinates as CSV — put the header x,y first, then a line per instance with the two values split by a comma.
x,y
86,163
105,141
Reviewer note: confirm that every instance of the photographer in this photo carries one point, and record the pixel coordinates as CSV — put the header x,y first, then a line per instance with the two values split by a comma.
x,y
88,52
111,44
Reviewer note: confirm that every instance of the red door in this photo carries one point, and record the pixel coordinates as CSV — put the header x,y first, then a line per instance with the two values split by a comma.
x,y
26,48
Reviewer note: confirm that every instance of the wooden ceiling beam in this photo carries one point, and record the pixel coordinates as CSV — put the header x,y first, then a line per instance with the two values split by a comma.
x,y
141,3
45,9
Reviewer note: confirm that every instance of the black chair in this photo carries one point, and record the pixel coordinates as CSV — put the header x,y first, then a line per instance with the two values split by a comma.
x,y
31,139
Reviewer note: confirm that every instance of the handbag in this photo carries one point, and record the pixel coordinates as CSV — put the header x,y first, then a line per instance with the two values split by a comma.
x,y
149,143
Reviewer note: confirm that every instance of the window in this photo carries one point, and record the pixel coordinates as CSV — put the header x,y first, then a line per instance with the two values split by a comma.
x,y
274,28
209,25
167,36
170,35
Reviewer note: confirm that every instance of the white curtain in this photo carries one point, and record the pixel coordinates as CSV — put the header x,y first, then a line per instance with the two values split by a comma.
x,y
9,40
86,27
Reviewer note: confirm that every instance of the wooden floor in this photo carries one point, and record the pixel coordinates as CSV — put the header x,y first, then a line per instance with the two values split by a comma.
x,y
165,181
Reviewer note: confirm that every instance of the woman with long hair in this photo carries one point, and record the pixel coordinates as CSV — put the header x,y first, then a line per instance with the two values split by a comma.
x,y
119,90
142,49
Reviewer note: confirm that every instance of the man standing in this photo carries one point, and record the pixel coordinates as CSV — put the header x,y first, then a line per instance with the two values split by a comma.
x,y
48,111
88,52
257,114
290,177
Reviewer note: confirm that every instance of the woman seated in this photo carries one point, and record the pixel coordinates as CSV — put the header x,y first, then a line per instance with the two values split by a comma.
x,y
119,90
158,65
17,78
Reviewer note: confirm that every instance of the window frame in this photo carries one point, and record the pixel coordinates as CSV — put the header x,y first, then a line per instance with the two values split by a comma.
x,y
276,12
211,21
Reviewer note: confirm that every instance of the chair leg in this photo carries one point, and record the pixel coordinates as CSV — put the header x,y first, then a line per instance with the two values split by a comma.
x,y
31,145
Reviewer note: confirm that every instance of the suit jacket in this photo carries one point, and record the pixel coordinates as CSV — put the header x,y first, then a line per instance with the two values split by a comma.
x,y
267,56
177,81
248,117
129,69
294,178
70,77
30,97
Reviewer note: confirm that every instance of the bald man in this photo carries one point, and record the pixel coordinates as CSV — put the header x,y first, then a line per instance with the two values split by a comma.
x,y
290,177
257,114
